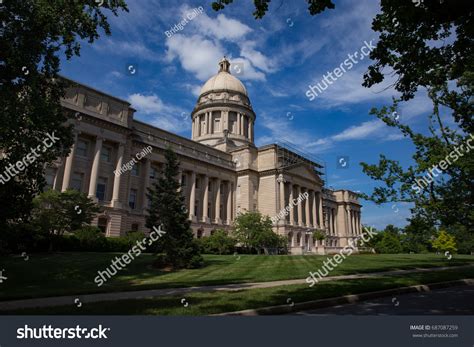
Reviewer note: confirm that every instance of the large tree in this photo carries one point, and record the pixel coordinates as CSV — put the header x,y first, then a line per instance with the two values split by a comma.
x,y
429,47
254,232
34,35
168,211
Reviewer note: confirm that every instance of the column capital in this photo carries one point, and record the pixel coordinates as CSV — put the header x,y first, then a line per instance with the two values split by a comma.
x,y
281,179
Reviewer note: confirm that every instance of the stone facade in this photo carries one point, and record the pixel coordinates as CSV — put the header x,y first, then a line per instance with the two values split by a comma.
x,y
222,172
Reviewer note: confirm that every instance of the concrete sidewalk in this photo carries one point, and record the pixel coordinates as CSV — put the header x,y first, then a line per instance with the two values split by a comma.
x,y
152,293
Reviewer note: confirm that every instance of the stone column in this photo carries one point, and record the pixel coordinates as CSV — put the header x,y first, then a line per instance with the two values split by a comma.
x,y
238,123
192,197
292,211
249,129
95,168
300,208
229,203
334,220
218,201
353,222
146,182
306,205
320,208
251,132
313,199
281,183
331,220
359,222
116,191
192,129
68,166
205,217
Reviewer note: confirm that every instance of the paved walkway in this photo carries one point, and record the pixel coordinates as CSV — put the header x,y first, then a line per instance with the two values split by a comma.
x,y
152,293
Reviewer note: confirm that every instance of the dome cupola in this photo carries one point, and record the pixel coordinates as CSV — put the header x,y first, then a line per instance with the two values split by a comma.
x,y
223,114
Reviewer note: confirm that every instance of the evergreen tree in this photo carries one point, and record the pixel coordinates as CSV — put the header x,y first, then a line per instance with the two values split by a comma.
x,y
168,210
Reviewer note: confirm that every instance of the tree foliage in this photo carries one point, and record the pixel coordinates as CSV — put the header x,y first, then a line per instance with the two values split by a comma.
x,y
262,6
428,47
219,242
55,213
444,242
168,211
254,232
34,36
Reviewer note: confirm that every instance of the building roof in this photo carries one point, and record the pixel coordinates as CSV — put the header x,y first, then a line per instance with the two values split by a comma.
x,y
224,80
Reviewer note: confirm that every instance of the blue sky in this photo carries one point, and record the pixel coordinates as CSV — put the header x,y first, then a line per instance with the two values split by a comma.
x,y
281,56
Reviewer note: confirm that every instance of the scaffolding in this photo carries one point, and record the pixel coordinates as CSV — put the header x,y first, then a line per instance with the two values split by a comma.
x,y
289,156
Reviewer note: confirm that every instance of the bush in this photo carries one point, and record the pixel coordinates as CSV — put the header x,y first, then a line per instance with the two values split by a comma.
x,y
91,239
389,244
218,243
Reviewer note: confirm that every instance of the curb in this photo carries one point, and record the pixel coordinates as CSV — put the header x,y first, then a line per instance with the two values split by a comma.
x,y
346,299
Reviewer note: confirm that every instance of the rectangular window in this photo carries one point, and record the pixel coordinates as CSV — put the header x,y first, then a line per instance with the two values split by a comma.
x,y
217,125
76,182
82,148
210,187
102,225
49,181
106,154
198,182
101,188
132,200
183,180
153,173
135,171
134,227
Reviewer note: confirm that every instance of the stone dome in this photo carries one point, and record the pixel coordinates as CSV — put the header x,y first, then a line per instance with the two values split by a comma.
x,y
223,81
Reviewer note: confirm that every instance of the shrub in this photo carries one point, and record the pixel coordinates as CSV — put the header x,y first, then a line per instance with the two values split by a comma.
x,y
91,239
389,243
218,243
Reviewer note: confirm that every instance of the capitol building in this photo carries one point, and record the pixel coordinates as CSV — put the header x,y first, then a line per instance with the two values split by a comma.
x,y
115,158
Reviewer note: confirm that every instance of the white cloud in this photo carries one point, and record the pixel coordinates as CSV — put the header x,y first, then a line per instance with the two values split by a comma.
x,y
126,49
200,51
196,54
221,27
359,132
151,109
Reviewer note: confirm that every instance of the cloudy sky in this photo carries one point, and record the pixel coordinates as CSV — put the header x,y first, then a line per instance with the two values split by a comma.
x,y
280,55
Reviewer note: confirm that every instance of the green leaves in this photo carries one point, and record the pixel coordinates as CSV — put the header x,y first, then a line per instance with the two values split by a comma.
x,y
35,33
262,6
55,212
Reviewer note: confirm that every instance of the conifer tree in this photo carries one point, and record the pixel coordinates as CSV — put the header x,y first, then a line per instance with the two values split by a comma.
x,y
168,211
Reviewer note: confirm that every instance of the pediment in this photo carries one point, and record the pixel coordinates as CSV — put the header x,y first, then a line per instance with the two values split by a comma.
x,y
303,170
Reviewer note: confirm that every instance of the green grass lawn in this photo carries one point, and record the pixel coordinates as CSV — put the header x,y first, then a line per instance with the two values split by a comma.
x,y
73,273
219,302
